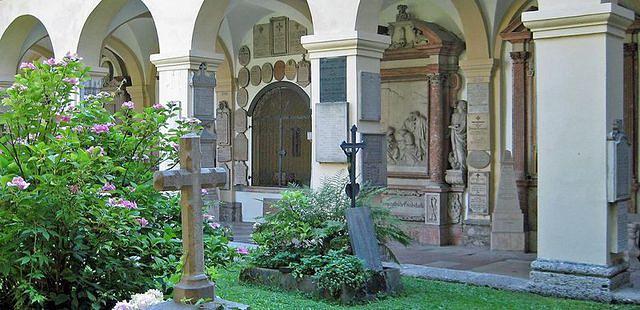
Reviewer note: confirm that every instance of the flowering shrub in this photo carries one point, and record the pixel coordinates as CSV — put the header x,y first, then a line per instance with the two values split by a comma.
x,y
141,301
80,223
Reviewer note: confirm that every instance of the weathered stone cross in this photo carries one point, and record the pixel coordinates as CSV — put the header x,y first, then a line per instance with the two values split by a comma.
x,y
190,179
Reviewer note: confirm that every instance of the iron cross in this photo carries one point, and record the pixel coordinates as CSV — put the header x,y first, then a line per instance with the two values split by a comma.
x,y
351,149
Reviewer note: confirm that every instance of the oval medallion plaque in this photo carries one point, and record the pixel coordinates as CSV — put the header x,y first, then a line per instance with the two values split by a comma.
x,y
291,69
478,159
267,73
244,55
256,75
243,77
278,70
304,73
242,97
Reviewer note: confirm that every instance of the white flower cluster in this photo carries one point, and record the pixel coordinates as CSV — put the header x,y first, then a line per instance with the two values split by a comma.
x,y
141,301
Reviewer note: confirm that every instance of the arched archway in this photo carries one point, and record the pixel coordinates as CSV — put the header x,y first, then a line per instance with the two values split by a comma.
x,y
11,44
281,152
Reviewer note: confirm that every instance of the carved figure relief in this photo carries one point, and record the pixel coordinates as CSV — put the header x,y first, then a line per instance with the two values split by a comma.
x,y
458,129
455,207
432,213
408,145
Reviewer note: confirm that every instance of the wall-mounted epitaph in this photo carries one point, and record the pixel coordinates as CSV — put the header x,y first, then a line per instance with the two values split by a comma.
x,y
255,75
333,79
278,70
374,159
618,166
279,35
304,73
223,123
244,55
241,147
261,40
267,72
203,94
290,69
330,131
296,31
240,120
242,97
243,77
370,105
240,170
479,192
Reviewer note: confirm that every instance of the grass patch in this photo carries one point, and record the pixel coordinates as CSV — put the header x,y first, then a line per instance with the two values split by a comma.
x,y
418,294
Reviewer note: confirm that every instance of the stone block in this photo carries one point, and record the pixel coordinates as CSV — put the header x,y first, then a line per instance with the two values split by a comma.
x,y
507,241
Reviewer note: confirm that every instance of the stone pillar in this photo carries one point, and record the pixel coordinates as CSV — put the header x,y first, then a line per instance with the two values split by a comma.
x,y
631,111
438,120
579,97
363,52
478,73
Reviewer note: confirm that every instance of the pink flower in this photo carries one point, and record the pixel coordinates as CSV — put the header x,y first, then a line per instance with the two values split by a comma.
x,y
27,65
128,204
207,217
74,189
77,129
51,62
1,152
128,105
19,183
72,56
158,106
242,251
60,118
214,225
142,221
204,191
59,137
100,128
18,87
96,149
107,187
192,121
72,81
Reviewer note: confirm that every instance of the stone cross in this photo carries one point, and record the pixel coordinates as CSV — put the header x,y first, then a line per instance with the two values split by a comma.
x,y
190,179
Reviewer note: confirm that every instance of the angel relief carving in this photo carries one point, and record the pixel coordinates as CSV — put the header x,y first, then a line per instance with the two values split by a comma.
x,y
407,146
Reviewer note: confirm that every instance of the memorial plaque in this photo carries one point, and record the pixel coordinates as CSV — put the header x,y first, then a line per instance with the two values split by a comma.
x,y
333,79
261,41
479,192
478,131
622,220
244,55
223,123
296,31
331,130
224,153
240,147
203,95
291,69
478,97
478,159
304,73
227,168
279,33
374,160
278,70
240,120
267,73
406,205
240,170
256,75
242,97
619,167
370,105
243,77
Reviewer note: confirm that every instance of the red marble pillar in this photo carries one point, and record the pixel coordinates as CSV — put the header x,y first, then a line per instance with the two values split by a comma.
x,y
519,125
631,110
437,128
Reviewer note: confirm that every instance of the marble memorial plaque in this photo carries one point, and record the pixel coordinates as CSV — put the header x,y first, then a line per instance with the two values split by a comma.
x,y
304,73
370,103
203,95
619,167
622,220
240,170
296,31
278,70
223,123
227,168
243,77
240,147
279,33
261,41
242,97
240,120
333,79
256,75
478,159
406,205
478,97
244,55
478,131
374,159
479,192
290,69
331,130
224,153
267,72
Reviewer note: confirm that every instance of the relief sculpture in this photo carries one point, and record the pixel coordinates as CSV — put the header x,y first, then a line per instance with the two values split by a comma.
x,y
408,145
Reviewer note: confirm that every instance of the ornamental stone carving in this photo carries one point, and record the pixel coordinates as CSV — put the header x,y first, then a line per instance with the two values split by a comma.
x,y
458,129
408,145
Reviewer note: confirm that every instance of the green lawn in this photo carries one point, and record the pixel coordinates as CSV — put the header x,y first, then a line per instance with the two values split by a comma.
x,y
419,294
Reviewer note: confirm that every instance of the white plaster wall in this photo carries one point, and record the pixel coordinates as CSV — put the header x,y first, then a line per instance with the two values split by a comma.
x,y
252,204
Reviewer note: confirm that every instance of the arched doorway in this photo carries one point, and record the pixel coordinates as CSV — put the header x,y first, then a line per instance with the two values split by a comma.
x,y
281,152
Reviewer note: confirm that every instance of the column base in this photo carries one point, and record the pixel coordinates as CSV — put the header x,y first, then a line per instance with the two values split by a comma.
x,y
508,241
433,234
477,233
193,288
218,304
575,280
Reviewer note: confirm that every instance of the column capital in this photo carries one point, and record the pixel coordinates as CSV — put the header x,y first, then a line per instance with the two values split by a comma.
x,y
519,57
575,19
190,61
356,43
478,70
98,72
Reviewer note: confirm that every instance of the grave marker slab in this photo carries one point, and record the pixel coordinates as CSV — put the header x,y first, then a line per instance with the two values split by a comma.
x,y
370,96
279,32
333,79
296,31
374,160
331,130
261,41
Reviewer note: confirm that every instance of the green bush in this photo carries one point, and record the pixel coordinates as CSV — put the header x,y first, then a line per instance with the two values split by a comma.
x,y
80,223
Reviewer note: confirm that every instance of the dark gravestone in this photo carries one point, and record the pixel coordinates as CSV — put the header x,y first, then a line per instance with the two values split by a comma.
x,y
370,104
362,235
333,79
374,160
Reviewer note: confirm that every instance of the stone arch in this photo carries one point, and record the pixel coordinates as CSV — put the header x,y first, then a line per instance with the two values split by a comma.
x,y
275,85
345,17
133,67
474,28
207,26
11,43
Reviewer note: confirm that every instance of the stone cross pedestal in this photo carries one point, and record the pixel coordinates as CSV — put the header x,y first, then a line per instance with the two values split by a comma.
x,y
507,229
190,179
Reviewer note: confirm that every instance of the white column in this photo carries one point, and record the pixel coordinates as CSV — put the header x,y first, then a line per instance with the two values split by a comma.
x,y
579,93
363,52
